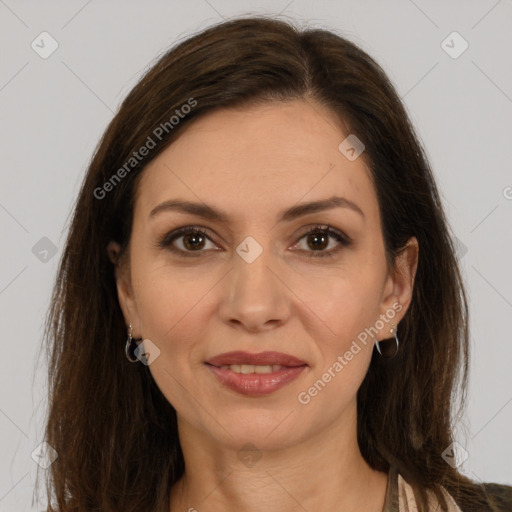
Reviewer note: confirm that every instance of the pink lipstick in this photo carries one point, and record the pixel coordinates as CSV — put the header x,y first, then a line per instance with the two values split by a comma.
x,y
255,374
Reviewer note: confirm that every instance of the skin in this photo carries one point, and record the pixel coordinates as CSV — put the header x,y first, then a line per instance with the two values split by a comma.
x,y
252,163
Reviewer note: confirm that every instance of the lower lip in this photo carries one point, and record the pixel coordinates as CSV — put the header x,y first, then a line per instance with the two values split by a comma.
x,y
256,384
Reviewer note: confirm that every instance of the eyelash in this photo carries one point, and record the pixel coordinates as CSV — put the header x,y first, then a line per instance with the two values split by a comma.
x,y
341,238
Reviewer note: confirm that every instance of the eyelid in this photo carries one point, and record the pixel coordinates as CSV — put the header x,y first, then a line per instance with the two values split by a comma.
x,y
328,229
341,238
168,239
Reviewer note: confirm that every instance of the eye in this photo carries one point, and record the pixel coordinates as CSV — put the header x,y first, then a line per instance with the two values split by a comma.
x,y
188,239
318,239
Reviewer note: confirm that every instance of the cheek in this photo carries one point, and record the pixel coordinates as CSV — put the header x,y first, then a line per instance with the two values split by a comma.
x,y
348,307
176,303
346,304
167,304
172,315
174,306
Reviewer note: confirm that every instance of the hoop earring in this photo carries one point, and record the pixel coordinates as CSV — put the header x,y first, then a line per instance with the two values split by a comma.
x,y
377,343
128,348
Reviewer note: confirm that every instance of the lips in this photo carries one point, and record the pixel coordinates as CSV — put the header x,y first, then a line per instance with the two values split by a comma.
x,y
260,359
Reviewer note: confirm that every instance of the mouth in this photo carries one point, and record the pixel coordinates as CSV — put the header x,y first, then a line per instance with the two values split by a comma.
x,y
255,374
240,358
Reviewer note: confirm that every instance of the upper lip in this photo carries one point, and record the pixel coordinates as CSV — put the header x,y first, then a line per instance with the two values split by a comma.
x,y
262,358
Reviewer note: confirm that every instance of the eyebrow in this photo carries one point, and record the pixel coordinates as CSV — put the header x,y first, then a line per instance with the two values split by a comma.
x,y
208,212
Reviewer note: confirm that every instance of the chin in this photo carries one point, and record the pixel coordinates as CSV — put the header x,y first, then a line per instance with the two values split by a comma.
x,y
265,429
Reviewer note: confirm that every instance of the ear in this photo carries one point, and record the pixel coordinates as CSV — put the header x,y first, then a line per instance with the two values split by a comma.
x,y
124,288
398,289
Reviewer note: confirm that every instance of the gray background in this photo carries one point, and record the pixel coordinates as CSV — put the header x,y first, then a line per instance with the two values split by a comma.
x,y
54,110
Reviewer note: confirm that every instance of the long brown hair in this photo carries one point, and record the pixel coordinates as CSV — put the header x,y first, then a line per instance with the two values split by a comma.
x,y
114,431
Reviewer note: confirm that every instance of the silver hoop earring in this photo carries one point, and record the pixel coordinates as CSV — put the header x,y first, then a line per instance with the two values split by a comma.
x,y
128,348
393,330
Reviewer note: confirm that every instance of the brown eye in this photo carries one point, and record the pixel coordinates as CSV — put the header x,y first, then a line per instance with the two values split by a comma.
x,y
186,240
318,239
194,241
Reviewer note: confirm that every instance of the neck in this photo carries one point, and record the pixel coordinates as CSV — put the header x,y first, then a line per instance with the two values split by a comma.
x,y
325,472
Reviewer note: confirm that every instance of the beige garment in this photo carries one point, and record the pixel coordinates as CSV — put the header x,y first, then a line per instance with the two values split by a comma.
x,y
400,497
407,503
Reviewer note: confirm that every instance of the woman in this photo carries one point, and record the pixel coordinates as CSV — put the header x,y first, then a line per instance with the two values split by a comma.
x,y
258,216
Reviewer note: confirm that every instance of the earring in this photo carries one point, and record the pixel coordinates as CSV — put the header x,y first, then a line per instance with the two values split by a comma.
x,y
128,348
393,330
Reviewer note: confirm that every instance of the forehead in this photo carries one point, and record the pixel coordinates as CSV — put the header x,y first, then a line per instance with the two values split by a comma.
x,y
258,159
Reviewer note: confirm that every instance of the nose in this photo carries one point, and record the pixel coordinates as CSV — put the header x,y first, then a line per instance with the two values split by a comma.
x,y
255,296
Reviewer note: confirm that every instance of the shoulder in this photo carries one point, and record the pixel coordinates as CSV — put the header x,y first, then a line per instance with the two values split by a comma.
x,y
487,497
497,498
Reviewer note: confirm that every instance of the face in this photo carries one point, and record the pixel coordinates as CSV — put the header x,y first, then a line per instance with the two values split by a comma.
x,y
251,269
